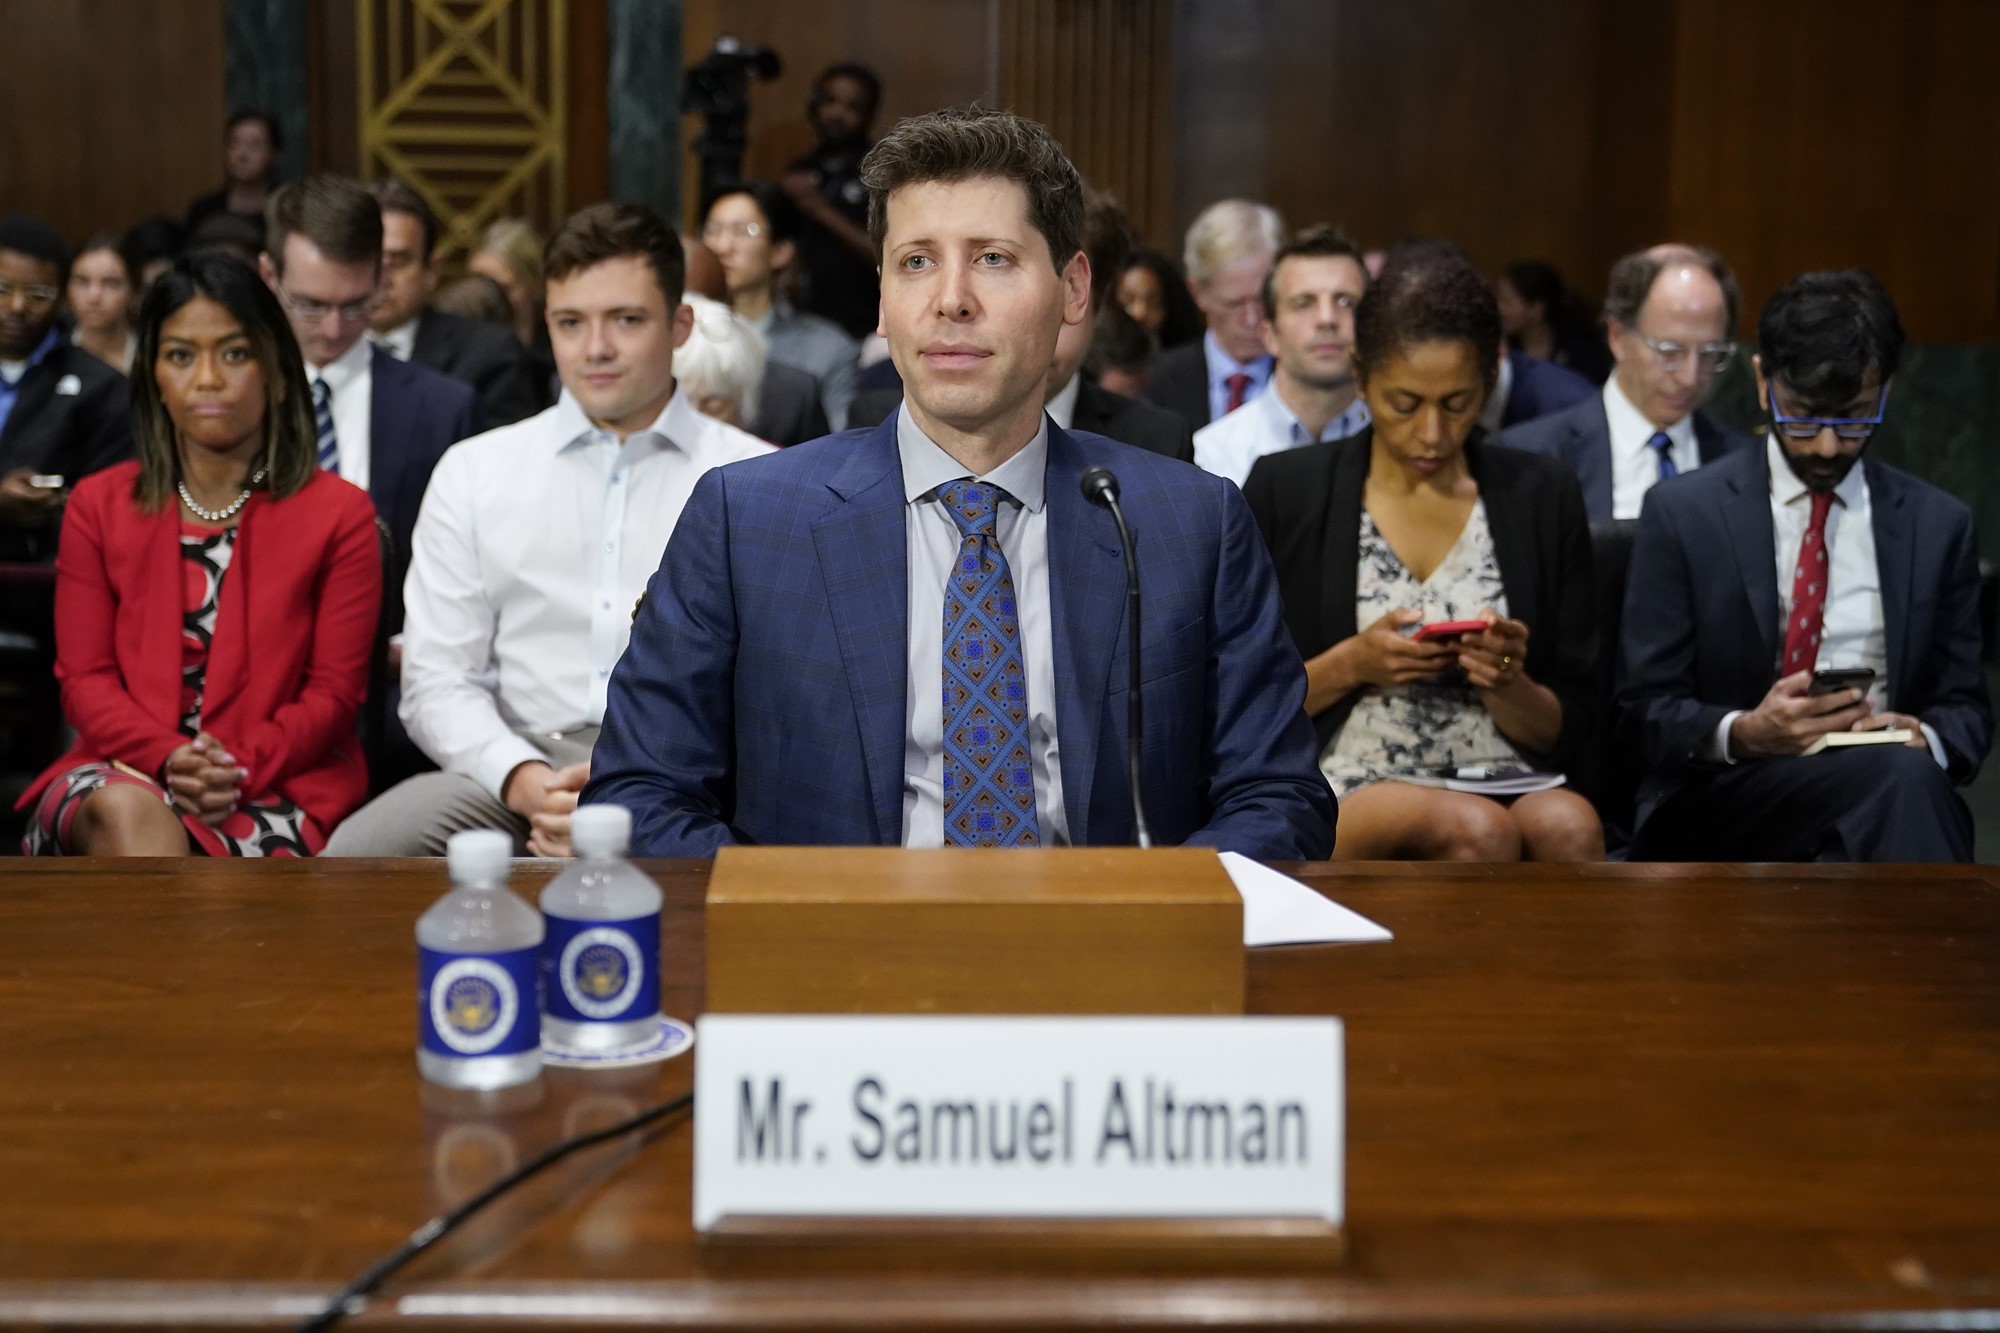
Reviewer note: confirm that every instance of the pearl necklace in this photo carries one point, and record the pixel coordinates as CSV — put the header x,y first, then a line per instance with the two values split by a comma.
x,y
219,515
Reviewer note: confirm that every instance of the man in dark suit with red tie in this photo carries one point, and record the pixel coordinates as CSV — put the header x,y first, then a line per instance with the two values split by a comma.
x,y
1798,557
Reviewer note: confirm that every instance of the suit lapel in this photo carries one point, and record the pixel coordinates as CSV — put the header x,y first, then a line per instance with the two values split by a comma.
x,y
1709,440
1509,531
161,607
1894,543
1590,452
863,548
37,387
1087,599
1754,543
1340,553
227,663
385,461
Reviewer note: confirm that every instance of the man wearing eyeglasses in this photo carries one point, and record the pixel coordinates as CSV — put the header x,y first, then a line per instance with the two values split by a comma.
x,y
383,423
1799,592
1669,314
62,411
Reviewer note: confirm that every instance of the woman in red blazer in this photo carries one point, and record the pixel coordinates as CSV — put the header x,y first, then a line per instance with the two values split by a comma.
x,y
215,601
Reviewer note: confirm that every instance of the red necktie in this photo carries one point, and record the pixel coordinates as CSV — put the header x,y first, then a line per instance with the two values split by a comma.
x,y
1239,385
1808,591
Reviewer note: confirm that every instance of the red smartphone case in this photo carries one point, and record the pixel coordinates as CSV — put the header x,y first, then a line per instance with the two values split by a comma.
x,y
1448,629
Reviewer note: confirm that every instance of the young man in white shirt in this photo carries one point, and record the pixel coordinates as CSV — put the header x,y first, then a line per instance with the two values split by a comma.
x,y
1309,297
534,545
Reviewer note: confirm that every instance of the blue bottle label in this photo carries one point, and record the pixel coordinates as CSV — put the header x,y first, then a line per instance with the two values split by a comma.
x,y
474,1004
601,971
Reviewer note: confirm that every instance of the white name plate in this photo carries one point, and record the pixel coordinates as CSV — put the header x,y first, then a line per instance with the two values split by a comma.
x,y
893,1116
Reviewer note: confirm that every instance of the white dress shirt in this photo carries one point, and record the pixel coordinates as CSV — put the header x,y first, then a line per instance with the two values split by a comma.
x,y
1635,464
1853,632
1062,407
1221,366
399,342
532,548
1022,528
351,378
1230,446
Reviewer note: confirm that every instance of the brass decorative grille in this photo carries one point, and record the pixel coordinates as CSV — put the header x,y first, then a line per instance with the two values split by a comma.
x,y
465,100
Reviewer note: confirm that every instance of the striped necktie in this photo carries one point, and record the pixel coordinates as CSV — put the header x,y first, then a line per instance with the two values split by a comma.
x,y
1663,445
329,447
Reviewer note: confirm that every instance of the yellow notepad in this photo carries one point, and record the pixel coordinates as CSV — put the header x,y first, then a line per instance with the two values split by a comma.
x,y
1835,740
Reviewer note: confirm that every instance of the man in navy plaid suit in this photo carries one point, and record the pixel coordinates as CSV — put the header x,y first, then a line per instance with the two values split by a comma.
x,y
916,634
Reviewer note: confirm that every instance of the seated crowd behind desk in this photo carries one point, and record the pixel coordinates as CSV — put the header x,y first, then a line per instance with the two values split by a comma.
x,y
1403,509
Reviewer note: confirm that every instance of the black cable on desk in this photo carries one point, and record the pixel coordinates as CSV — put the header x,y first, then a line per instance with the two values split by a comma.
x,y
435,1230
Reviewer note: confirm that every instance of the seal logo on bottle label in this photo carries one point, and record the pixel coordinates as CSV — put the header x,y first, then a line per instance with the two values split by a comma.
x,y
473,1005
601,972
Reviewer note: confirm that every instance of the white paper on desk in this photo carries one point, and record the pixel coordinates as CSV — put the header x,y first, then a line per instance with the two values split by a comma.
x,y
1277,909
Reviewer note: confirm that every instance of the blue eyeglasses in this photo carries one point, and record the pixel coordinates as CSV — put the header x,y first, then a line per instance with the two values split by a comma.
x,y
1847,428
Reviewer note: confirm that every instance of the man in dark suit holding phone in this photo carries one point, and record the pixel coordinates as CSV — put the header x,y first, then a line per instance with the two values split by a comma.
x,y
1798,562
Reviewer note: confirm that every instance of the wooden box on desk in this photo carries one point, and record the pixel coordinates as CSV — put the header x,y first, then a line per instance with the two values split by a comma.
x,y
884,930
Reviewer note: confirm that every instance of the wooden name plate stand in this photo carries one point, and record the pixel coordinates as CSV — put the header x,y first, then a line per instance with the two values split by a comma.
x,y
962,931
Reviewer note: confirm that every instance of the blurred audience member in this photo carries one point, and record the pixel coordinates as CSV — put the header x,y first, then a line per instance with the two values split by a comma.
x,y
475,296
63,412
1529,389
1544,318
150,249
411,329
1419,520
1774,564
1154,292
836,258
1309,297
535,544
1671,314
721,365
1120,355
380,423
510,253
251,144
787,407
753,230
100,296
215,601
1072,400
1229,250
704,271
240,237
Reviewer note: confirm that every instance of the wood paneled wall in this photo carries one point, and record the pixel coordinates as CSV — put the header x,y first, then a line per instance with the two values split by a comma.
x,y
110,111
1789,134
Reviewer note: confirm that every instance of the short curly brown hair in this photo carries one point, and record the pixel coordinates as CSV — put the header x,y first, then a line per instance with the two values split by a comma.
x,y
966,142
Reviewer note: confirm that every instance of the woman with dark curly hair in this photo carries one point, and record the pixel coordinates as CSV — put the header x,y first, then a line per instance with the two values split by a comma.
x,y
1155,294
1419,520
215,601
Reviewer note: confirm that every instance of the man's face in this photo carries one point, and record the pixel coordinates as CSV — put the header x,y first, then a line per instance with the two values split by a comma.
x,y
29,305
408,275
1822,461
971,302
327,303
1232,299
1312,335
841,113
1684,312
247,156
741,238
614,341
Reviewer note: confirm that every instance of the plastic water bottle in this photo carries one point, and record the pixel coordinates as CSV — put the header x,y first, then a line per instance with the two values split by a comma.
x,y
478,1010
601,956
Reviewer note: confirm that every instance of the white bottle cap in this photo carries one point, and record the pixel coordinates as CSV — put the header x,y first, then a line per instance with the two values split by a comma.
x,y
601,830
479,856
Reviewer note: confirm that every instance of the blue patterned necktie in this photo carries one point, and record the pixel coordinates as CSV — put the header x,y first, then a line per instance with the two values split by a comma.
x,y
1663,445
329,448
989,782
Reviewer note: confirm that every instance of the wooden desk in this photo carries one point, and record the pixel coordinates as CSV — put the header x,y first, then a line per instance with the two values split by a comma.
x,y
1614,1098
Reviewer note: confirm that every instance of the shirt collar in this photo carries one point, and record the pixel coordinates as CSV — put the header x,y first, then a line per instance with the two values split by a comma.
x,y
401,341
1283,421
1221,365
678,426
1786,488
1629,428
344,369
50,341
927,467
1062,407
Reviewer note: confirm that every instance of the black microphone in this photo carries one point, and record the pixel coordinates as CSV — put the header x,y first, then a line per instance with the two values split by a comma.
x,y
1100,487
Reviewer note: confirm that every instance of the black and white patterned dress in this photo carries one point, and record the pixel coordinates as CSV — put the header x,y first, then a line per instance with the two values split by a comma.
x,y
1431,724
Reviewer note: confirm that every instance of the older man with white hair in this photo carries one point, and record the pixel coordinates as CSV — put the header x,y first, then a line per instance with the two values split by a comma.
x,y
1229,250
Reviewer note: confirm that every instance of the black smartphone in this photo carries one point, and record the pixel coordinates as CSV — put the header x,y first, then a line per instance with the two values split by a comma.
x,y
1835,679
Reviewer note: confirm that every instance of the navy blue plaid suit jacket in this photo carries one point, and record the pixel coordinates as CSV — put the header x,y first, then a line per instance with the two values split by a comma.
x,y
762,697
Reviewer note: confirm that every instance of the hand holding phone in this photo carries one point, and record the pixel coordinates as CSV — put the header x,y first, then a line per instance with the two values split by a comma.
x,y
1445,631
1840,678
45,481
